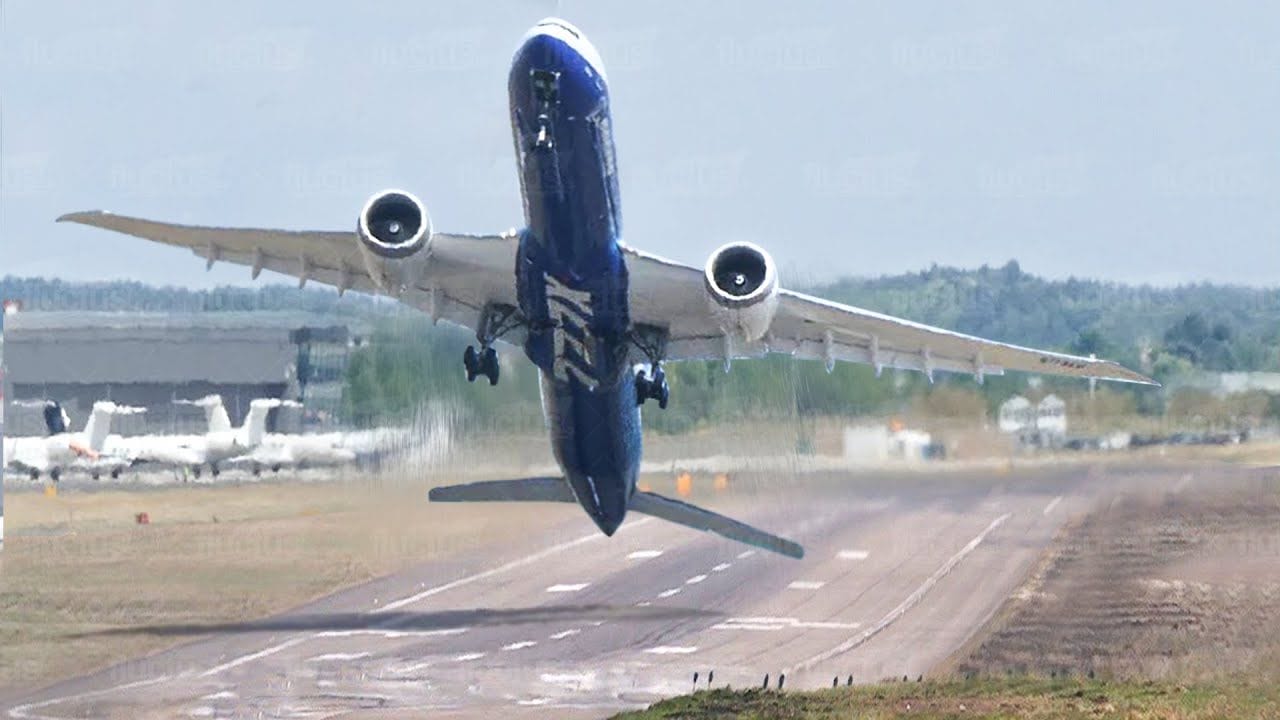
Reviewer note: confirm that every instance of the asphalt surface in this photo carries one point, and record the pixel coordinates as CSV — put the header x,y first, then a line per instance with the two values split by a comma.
x,y
899,573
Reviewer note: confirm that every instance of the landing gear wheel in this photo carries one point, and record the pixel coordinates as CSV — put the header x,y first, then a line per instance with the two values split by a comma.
x,y
653,388
489,365
55,474
471,363
484,362
115,474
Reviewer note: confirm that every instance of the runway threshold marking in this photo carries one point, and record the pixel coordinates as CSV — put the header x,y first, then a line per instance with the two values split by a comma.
x,y
1052,504
912,600
507,567
573,587
806,585
853,555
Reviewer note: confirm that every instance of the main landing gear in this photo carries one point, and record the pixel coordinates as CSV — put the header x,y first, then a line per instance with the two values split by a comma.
x,y
654,388
484,362
495,321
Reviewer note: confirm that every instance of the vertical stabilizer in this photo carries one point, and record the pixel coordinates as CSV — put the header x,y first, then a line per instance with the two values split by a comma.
x,y
99,425
255,423
55,418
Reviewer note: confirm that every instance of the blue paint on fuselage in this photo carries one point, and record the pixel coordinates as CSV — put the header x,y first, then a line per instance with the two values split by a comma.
x,y
571,276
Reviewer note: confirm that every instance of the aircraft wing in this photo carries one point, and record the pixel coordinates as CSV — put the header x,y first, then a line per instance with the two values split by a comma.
x,y
466,271
668,294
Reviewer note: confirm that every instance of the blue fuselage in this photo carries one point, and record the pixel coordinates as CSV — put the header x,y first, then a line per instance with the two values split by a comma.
x,y
570,272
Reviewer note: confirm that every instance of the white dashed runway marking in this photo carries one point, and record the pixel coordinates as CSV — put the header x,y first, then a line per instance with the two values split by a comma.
x,y
669,593
520,645
695,579
853,555
781,623
565,633
336,657
722,567
1052,504
672,650
469,657
806,585
567,588
644,554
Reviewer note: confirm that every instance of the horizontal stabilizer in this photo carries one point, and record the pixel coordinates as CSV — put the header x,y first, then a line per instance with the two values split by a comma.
x,y
537,489
683,513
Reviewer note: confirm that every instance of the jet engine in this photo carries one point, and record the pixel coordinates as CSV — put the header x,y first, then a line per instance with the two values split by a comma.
x,y
394,229
742,284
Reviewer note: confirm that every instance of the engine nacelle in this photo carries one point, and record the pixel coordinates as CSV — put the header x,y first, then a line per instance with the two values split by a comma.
x,y
742,284
394,230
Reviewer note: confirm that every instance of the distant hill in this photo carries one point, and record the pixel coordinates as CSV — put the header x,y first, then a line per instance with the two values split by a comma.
x,y
1218,327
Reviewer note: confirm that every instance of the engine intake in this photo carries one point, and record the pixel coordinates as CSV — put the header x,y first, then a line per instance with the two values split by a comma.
x,y
394,224
742,283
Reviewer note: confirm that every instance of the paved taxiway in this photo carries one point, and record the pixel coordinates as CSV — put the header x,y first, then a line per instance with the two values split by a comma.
x,y
899,573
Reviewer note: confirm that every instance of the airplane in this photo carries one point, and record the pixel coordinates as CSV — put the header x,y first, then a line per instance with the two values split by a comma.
x,y
597,316
222,443
61,450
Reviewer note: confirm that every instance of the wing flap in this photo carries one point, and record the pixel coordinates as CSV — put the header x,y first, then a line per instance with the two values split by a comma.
x,y
691,516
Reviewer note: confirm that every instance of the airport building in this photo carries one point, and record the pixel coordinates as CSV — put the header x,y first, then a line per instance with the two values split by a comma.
x,y
150,360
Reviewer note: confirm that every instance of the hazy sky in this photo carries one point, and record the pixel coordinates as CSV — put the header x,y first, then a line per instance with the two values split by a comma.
x,y
1135,141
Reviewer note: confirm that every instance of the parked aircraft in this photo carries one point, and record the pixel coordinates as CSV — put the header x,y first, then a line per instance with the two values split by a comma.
x,y
597,316
221,444
62,450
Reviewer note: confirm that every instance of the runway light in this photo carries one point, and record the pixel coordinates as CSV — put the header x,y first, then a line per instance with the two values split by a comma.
x,y
722,481
684,484
644,487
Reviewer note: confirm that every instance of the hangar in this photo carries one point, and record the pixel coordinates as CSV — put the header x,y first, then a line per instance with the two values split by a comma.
x,y
152,359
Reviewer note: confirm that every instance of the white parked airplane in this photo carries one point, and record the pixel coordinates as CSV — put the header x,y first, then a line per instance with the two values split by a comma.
x,y
61,451
597,316
221,444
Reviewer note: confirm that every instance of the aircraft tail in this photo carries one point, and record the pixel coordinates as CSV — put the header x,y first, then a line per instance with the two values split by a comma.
x,y
55,418
215,413
255,423
99,424
555,489
683,513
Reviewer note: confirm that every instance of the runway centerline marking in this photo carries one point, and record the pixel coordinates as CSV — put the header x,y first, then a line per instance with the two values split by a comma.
x,y
669,593
672,650
722,567
564,634
746,554
695,579
853,555
912,600
467,657
507,567
574,587
1052,504
806,585
644,554
520,645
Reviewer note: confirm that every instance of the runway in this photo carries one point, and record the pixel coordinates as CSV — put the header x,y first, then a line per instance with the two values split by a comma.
x,y
899,573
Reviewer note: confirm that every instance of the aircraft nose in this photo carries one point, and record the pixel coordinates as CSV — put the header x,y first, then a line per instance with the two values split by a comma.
x,y
604,501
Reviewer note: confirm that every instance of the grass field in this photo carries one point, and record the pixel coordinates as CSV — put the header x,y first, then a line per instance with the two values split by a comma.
x,y
78,563
984,698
